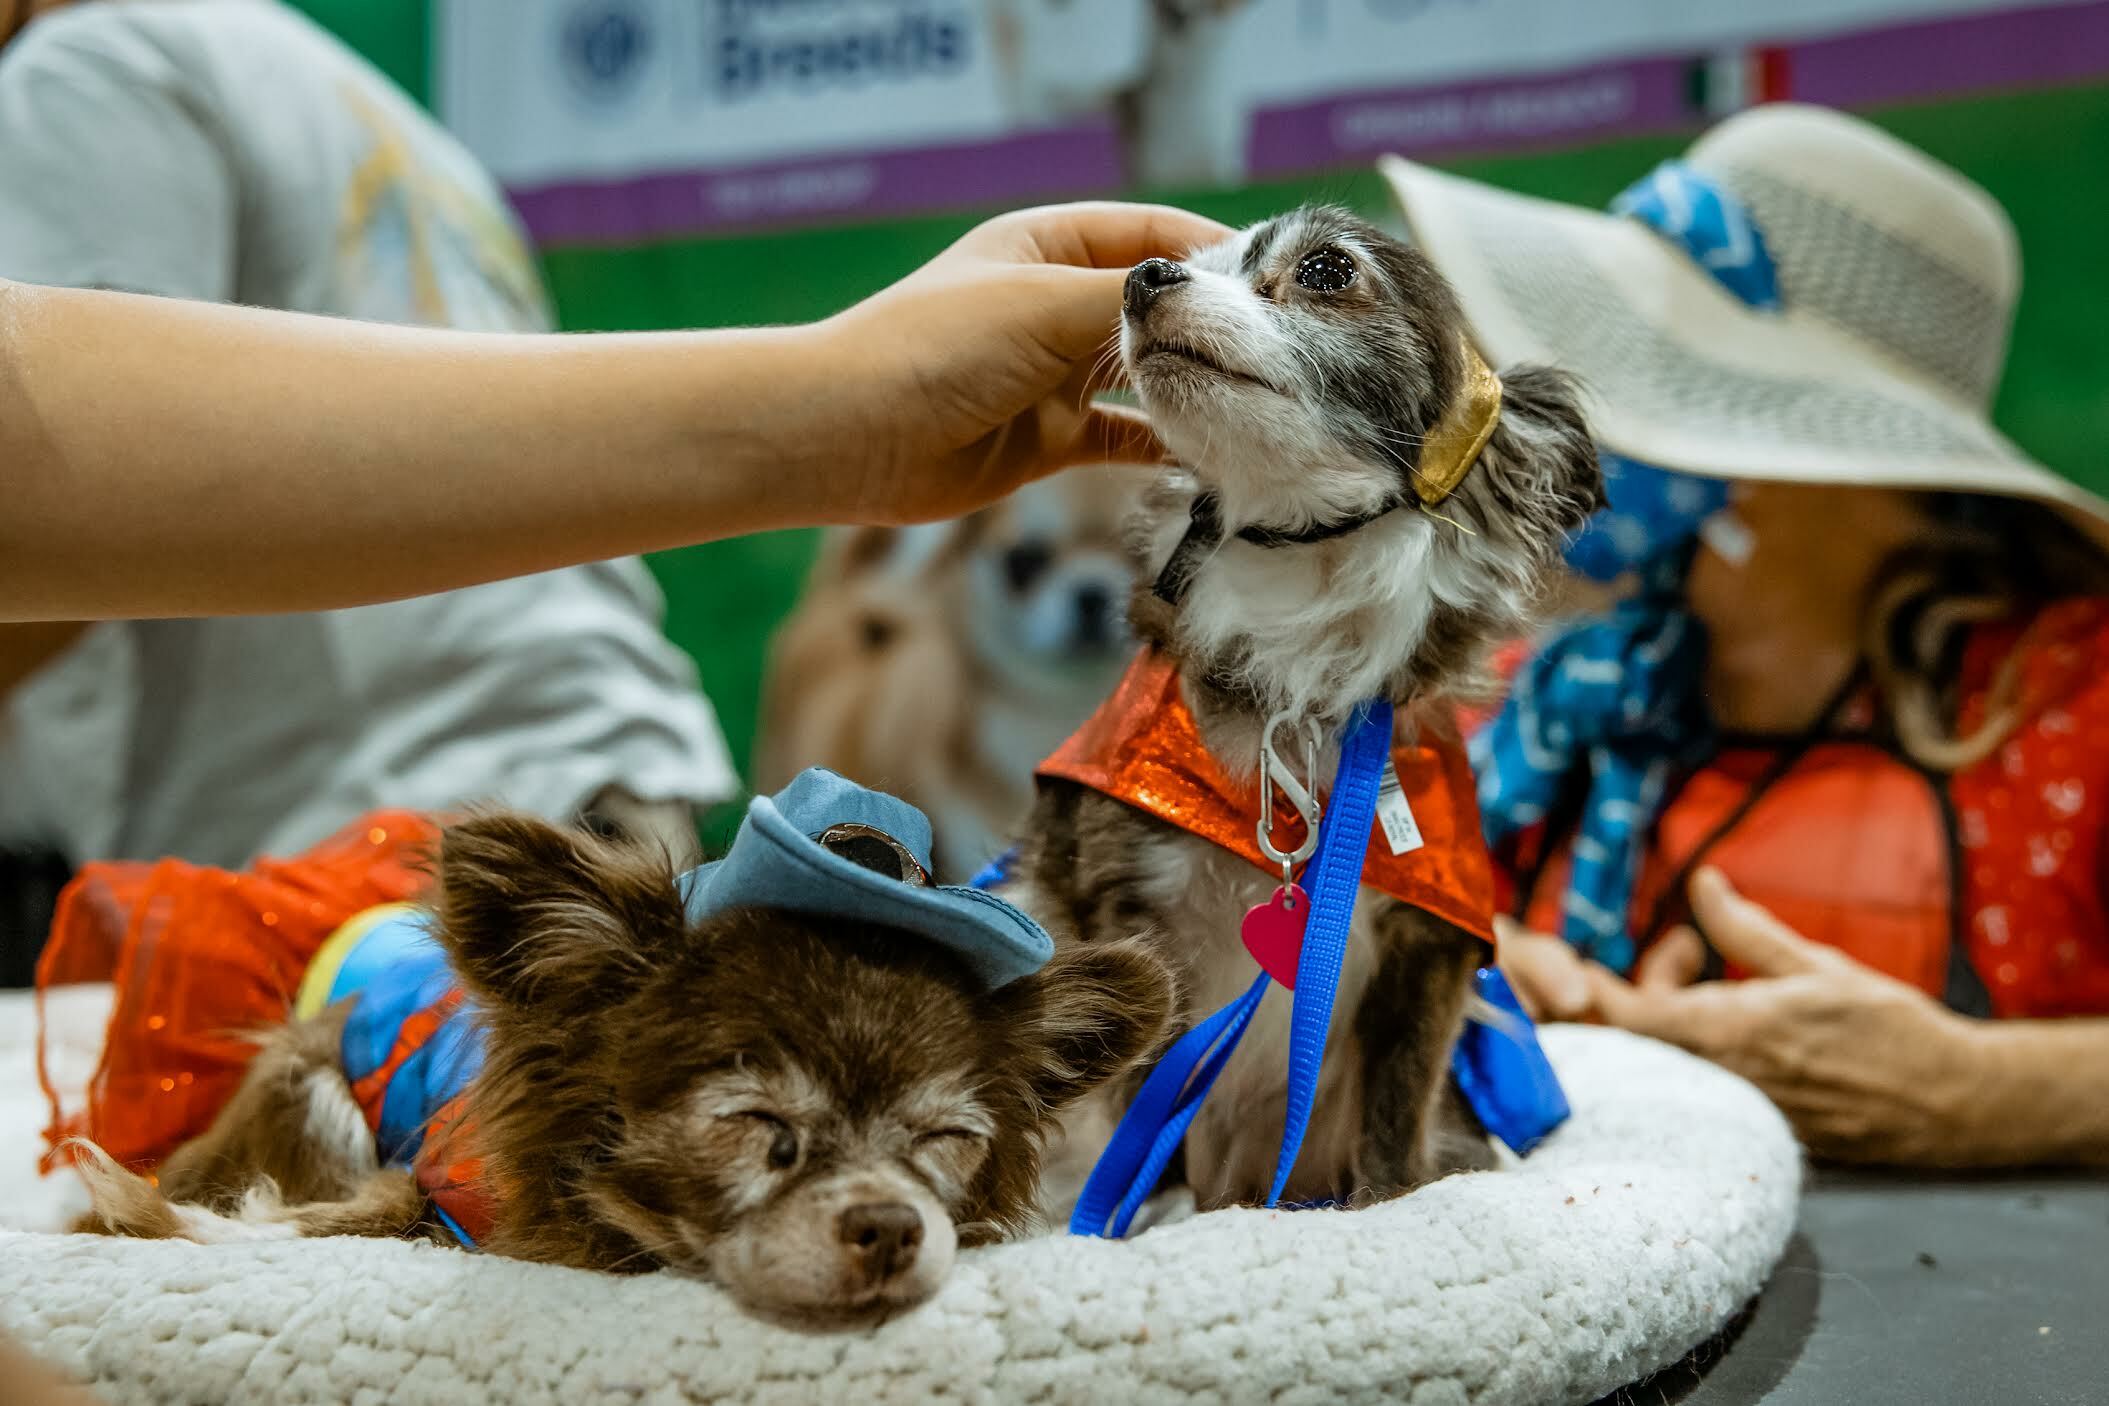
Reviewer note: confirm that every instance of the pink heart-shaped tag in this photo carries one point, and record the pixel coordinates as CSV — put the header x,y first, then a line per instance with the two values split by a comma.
x,y
1273,933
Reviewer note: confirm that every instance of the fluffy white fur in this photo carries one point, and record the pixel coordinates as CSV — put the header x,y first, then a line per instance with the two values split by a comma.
x,y
1317,628
1286,411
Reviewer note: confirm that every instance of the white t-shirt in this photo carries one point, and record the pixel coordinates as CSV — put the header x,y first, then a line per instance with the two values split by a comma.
x,y
230,150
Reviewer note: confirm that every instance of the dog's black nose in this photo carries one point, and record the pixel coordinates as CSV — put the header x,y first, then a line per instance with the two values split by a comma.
x,y
1149,278
881,1237
1094,616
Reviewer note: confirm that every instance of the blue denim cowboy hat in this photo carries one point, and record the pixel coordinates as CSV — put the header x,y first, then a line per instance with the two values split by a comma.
x,y
825,845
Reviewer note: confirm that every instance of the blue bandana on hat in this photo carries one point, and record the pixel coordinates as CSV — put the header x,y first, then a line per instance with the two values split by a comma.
x,y
826,846
1651,511
1614,704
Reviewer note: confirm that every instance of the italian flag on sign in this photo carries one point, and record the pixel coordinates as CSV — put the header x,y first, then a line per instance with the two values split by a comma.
x,y
1719,84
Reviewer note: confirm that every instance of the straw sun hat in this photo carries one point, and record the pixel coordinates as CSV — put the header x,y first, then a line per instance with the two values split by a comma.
x,y
1840,317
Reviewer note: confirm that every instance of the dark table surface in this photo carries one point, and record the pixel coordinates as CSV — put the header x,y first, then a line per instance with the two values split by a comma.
x,y
1919,1290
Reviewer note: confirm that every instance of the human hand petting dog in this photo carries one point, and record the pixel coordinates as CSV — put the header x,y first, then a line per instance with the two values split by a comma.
x,y
974,374
398,461
1866,1068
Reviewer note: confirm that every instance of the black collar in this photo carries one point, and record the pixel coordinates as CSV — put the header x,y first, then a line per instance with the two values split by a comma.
x,y
1204,530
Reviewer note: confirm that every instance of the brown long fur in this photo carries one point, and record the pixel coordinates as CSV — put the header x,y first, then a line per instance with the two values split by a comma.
x,y
611,1023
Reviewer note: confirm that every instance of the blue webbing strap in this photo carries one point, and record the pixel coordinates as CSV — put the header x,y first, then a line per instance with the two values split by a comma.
x,y
1151,1129
1333,881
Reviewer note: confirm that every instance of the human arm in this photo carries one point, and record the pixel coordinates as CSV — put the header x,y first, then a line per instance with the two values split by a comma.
x,y
167,458
1867,1068
24,649
31,1383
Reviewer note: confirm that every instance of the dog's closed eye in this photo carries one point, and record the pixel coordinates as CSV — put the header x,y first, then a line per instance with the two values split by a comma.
x,y
948,1157
783,1145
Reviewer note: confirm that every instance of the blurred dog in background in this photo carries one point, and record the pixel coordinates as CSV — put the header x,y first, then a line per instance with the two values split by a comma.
x,y
942,663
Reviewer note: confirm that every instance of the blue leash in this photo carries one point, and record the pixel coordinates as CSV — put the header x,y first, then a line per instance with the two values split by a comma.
x,y
1151,1129
1501,1070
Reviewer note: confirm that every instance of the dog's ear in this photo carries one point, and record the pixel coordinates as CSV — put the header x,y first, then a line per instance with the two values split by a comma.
x,y
1539,472
538,915
857,550
1086,1017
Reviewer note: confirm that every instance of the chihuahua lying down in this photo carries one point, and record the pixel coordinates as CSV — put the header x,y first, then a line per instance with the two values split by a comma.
x,y
812,1108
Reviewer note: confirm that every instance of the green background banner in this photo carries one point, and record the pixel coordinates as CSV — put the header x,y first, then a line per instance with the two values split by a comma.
x,y
2044,154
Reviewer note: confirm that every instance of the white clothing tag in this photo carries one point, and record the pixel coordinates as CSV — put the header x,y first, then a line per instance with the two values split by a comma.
x,y
1401,831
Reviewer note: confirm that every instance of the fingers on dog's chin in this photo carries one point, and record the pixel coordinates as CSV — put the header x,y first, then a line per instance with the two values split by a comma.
x,y
1111,434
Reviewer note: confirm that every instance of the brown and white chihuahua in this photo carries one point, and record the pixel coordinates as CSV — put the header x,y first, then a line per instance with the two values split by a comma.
x,y
814,1113
1296,370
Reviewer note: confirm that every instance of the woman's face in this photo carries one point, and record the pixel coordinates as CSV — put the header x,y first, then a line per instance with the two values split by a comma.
x,y
1821,528
1805,552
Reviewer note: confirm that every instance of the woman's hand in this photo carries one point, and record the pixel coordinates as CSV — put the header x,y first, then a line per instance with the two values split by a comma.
x,y
1546,974
1866,1068
974,374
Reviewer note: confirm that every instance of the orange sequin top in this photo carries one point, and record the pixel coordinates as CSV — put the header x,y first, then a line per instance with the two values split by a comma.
x,y
1999,869
1143,747
201,959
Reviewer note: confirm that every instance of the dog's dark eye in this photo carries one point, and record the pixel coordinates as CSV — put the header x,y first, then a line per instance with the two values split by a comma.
x,y
876,632
1326,271
1026,563
783,1147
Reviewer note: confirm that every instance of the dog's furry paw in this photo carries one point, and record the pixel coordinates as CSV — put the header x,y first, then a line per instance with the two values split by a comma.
x,y
1167,1207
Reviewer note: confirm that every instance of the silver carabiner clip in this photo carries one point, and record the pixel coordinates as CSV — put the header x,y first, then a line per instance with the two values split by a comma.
x,y
1277,775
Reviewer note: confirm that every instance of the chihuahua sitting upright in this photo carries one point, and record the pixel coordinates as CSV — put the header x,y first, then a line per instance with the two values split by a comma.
x,y
804,1071
1364,509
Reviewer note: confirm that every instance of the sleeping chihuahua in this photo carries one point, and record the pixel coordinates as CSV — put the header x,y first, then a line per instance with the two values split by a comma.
x,y
1310,555
813,1111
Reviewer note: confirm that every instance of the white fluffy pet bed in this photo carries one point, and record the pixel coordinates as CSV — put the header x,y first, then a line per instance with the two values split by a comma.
x,y
1629,1238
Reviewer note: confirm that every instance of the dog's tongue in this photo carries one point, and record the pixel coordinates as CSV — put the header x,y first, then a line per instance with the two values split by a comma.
x,y
1273,933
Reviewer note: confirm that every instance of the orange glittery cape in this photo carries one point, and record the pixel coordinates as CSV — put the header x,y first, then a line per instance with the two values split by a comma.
x,y
202,959
1143,747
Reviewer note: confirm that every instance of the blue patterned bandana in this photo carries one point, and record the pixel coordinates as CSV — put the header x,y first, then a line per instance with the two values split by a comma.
x,y
1710,224
1648,511
1613,706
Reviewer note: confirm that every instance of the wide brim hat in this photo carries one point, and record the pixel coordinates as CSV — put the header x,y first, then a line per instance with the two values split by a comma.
x,y
1876,364
827,847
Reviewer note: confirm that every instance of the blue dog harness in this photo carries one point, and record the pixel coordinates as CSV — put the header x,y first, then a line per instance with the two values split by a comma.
x,y
1500,1069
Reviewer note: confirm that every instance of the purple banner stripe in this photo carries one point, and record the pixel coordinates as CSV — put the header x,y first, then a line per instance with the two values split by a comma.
x,y
2041,45
2044,45
816,190
1547,109
2047,45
